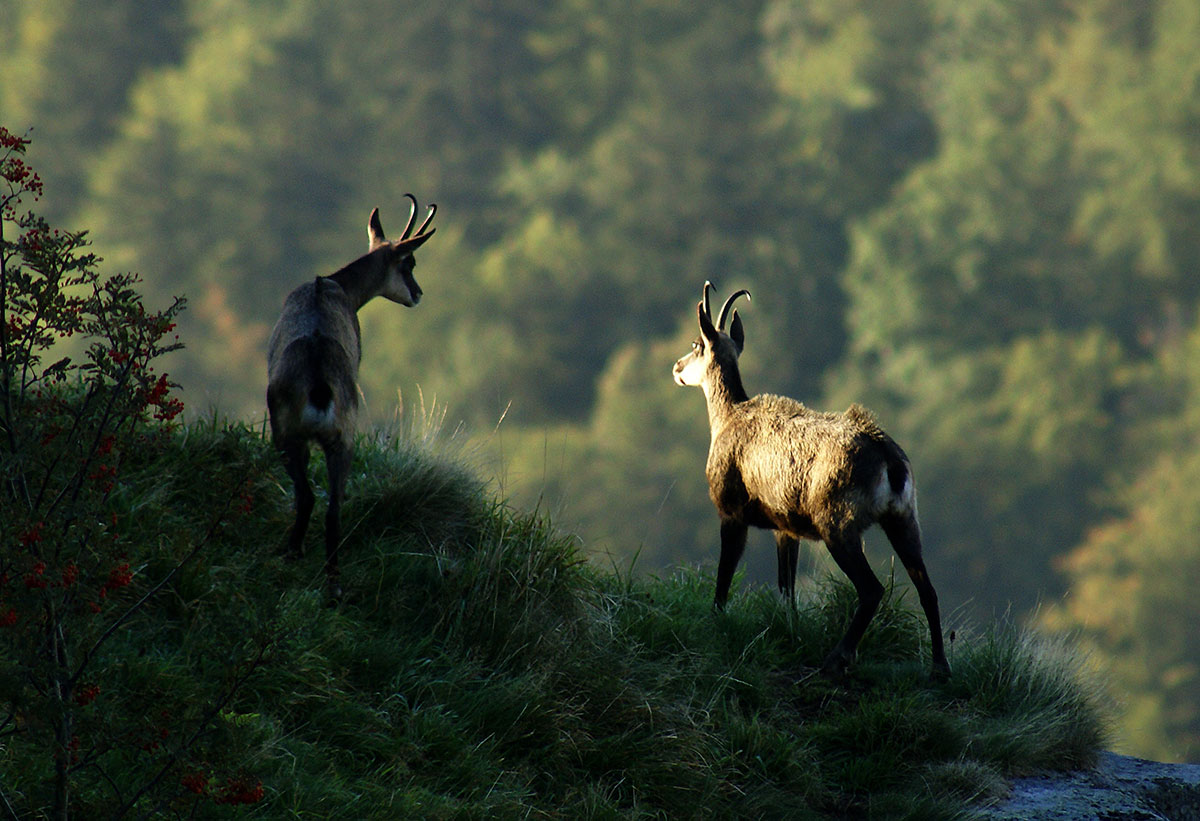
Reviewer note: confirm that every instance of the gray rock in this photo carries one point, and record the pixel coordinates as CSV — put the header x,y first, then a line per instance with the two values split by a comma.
x,y
1119,788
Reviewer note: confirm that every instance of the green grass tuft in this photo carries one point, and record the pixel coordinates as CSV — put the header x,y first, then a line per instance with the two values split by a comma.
x,y
480,668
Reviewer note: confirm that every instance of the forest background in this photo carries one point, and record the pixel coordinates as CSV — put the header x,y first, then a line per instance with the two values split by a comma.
x,y
981,218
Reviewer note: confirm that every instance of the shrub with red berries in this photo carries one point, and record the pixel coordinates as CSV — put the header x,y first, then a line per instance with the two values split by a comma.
x,y
80,397
78,394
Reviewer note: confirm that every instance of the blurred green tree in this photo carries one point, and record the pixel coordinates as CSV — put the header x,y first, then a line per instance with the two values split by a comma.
x,y
68,67
993,313
1133,579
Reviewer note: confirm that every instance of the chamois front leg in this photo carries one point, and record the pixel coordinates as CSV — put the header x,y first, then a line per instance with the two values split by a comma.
x,y
295,460
733,545
787,554
847,551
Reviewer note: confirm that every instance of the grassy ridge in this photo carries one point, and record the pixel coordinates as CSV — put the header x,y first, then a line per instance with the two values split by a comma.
x,y
479,668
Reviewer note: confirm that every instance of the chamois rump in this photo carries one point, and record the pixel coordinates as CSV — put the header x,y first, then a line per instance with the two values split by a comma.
x,y
775,464
313,356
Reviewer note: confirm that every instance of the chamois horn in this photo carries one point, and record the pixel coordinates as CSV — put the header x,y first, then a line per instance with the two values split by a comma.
x,y
725,307
412,217
428,219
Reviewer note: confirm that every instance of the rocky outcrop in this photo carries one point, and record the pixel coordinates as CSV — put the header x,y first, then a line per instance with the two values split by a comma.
x,y
1120,788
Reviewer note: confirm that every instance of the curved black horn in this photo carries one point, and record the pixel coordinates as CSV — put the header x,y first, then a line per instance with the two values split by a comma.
x,y
707,306
428,218
725,307
412,217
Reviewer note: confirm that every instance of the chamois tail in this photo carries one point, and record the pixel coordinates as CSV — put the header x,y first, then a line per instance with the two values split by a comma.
x,y
320,410
900,482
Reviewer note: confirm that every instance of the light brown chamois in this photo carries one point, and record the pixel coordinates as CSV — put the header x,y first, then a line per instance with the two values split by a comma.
x,y
775,464
312,370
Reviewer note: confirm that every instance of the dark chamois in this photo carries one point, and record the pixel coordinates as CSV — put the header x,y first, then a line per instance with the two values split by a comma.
x,y
312,369
775,464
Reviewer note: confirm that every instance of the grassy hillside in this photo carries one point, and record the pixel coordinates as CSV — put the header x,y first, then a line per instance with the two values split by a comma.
x,y
479,668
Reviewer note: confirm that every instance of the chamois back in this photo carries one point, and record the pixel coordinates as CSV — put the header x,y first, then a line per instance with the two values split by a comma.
x,y
313,356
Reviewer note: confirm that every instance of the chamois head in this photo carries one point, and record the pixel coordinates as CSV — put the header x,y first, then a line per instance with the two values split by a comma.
x,y
715,347
399,284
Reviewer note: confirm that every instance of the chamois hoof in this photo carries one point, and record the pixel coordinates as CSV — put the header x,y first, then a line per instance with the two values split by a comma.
x,y
836,665
801,675
333,594
290,549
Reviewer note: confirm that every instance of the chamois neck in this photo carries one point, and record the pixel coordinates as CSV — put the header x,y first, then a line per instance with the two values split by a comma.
x,y
360,280
722,391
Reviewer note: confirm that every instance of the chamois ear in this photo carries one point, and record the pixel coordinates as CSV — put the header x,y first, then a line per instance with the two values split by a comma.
x,y
736,332
706,326
374,229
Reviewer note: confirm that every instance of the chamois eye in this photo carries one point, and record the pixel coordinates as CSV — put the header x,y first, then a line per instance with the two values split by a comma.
x,y
696,346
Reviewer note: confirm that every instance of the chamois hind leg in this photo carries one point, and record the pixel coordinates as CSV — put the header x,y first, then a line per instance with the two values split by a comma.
x,y
733,545
787,554
847,551
905,535
295,461
338,457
